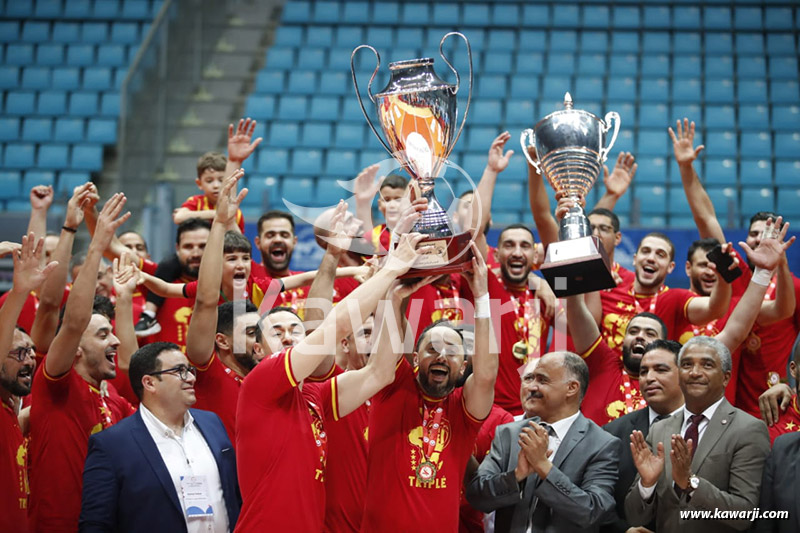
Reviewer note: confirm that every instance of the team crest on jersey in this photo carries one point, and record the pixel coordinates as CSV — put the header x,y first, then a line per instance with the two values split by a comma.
x,y
418,455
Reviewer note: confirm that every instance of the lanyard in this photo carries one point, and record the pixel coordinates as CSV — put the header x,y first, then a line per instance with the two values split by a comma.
x,y
105,412
653,301
633,396
524,312
431,425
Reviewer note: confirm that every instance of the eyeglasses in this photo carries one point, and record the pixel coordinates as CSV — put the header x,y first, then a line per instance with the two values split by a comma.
x,y
603,228
20,354
182,371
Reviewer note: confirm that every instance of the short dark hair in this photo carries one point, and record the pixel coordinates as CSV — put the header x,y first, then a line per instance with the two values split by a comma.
x,y
576,367
225,316
602,211
515,226
443,322
211,161
664,344
145,361
707,244
100,306
191,225
275,213
663,237
653,316
764,215
279,309
395,181
236,242
137,234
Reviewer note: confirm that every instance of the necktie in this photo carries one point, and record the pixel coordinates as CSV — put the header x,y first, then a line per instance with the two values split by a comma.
x,y
692,431
539,513
659,417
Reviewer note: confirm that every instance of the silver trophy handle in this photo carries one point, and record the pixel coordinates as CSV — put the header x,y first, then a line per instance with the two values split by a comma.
x,y
458,82
610,116
369,90
529,136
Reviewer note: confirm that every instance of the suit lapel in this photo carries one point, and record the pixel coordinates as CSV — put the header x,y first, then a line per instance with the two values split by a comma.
x,y
149,449
573,437
533,479
210,437
672,426
719,423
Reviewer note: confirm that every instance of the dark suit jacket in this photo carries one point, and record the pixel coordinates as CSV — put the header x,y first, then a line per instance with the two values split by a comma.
x,y
780,485
622,428
127,487
729,462
577,495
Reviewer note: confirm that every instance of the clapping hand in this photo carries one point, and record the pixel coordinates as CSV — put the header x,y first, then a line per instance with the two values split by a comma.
x,y
649,465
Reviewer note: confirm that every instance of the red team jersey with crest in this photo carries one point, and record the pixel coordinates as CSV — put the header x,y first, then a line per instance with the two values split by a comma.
x,y
199,202
174,315
395,499
217,390
281,449
788,422
65,412
625,275
13,473
612,392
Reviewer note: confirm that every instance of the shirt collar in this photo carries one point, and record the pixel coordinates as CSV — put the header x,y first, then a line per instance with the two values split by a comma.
x,y
562,426
160,427
708,413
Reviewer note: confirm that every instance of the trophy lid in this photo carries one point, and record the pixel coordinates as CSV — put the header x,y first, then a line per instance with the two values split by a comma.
x,y
413,76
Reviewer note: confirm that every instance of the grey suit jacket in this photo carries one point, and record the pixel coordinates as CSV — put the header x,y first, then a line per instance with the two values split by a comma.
x,y
577,495
780,485
729,462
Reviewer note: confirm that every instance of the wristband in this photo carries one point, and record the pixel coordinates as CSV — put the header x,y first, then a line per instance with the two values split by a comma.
x,y
761,276
71,230
482,307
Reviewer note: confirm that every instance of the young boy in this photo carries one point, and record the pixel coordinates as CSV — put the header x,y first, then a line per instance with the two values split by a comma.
x,y
210,174
390,204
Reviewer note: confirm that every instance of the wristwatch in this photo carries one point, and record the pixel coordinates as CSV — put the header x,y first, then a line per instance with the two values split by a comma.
x,y
694,482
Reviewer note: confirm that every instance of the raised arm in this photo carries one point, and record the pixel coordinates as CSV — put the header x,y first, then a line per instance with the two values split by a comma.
x,y
203,325
582,325
783,305
52,292
125,281
41,198
482,202
365,187
240,144
115,248
546,225
618,181
78,310
704,309
699,202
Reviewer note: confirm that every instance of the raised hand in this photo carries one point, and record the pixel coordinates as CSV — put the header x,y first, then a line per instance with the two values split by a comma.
x,y
410,215
28,275
6,247
338,241
239,145
772,246
533,443
681,457
81,197
497,160
365,186
109,220
618,181
41,197
648,465
401,290
565,203
477,277
402,258
126,275
683,142
228,201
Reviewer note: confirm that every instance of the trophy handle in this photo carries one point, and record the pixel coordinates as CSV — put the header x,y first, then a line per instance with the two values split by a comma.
x,y
610,116
530,137
458,82
369,90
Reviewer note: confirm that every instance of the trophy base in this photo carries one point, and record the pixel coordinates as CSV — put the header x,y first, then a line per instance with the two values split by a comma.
x,y
577,266
444,255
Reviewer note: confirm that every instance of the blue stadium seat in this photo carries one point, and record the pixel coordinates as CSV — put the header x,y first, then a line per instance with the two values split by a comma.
x,y
725,200
749,44
329,192
621,89
297,12
35,31
298,191
36,78
83,104
784,92
292,107
270,82
87,157
311,59
624,141
759,198
751,67
686,17
348,36
124,32
480,138
787,172
50,54
716,18
528,63
623,65
370,157
356,12
502,15
777,43
80,55
787,145
778,18
785,117
9,77
594,42
475,15
385,12
653,115
721,143
784,68
681,111
652,142
686,90
341,163
757,144
719,91
97,78
325,12
720,117
655,65
533,40
563,41
522,112
561,64
19,54
554,87
324,108
492,86
280,58
335,83
52,103
109,104
596,16
66,32
752,91
486,112
720,171
37,129
626,17
757,172
656,42
654,90
272,161
677,203
589,88
10,184
284,134
94,32
625,40
32,178
686,66
111,55
135,9
719,67
686,42
302,82
102,130
9,129
306,162
19,155
789,202
747,18
68,180
682,222
652,199
106,9
77,9
651,170
657,17
53,156
381,37
339,59
289,36
497,62
316,134
509,196
566,16
69,130
20,102
349,136
9,31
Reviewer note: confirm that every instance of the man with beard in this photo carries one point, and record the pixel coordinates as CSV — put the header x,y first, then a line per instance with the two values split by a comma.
x,y
763,358
68,403
16,375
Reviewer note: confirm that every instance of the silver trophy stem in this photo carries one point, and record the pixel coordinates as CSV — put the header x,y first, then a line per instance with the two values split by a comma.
x,y
434,221
574,225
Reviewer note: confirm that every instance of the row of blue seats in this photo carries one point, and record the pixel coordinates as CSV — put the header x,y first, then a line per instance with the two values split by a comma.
x,y
622,62
68,130
71,32
58,55
81,9
57,102
16,184
486,111
52,156
720,43
543,14
66,78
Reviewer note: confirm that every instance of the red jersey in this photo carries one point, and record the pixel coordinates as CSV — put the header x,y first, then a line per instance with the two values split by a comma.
x,y
281,448
626,275
470,520
620,304
765,354
788,422
256,290
28,312
491,258
13,473
292,298
437,301
174,315
381,238
65,412
140,296
342,287
612,392
217,390
396,500
199,202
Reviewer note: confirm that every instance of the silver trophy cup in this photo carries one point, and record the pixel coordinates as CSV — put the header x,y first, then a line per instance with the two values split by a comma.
x,y
571,146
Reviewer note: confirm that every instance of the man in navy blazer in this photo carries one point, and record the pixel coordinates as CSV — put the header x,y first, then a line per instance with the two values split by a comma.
x,y
136,471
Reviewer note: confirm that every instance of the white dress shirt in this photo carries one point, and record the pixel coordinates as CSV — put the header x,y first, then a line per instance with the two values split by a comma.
x,y
189,455
560,428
